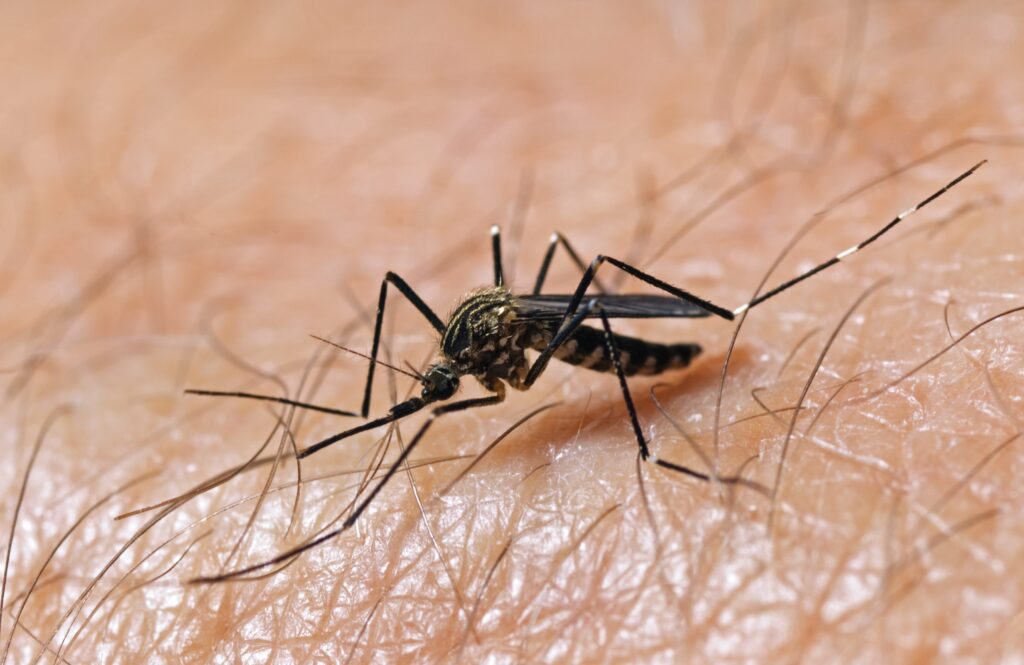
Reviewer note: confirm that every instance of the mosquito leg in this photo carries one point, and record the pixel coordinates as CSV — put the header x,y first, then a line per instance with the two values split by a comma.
x,y
613,353
645,454
499,272
590,274
595,265
271,398
545,263
462,405
574,315
397,412
411,296
859,246
556,240
560,337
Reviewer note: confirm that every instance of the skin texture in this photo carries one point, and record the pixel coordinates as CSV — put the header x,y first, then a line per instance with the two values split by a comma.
x,y
190,191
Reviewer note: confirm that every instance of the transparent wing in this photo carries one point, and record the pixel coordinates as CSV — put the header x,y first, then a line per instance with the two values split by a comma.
x,y
621,306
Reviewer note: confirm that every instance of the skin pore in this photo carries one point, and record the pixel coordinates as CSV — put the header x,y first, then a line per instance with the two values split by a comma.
x,y
191,191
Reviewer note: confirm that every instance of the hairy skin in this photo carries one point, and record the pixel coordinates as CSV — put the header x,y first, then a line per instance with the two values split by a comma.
x,y
189,192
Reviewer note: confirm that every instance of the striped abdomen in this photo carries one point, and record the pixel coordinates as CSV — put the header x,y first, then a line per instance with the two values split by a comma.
x,y
586,348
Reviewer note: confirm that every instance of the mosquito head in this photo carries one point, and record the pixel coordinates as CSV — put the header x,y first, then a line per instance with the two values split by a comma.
x,y
440,382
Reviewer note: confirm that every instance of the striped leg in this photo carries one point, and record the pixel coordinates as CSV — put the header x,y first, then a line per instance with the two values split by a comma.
x,y
645,453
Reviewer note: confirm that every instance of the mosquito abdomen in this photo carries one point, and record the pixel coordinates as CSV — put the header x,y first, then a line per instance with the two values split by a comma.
x,y
587,348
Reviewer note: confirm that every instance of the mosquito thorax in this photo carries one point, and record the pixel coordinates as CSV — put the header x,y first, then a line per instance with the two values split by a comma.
x,y
480,317
485,338
440,382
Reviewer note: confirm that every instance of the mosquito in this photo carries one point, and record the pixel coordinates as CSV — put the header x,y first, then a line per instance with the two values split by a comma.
x,y
489,332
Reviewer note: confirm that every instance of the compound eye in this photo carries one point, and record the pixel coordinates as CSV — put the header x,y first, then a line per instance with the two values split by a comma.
x,y
440,383
447,388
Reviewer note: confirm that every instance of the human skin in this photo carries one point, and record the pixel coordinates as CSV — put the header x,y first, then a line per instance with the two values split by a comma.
x,y
191,191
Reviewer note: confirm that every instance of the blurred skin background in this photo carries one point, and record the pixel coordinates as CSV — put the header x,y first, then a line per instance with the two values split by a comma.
x,y
189,191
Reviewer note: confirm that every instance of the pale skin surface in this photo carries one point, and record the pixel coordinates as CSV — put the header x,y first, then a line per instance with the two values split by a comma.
x,y
189,193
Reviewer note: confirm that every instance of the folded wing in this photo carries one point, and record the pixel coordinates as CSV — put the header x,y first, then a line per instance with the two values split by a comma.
x,y
622,306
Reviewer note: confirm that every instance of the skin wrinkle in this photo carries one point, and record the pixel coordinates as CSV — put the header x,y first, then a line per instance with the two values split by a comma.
x,y
424,520
996,395
808,226
51,419
777,486
512,528
277,161
86,624
35,583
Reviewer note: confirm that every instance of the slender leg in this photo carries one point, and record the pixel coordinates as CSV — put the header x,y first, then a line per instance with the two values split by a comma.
x,y
613,352
411,296
771,293
590,273
545,264
556,240
462,405
499,272
739,481
645,454
397,412
588,277
563,334
271,398
400,410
